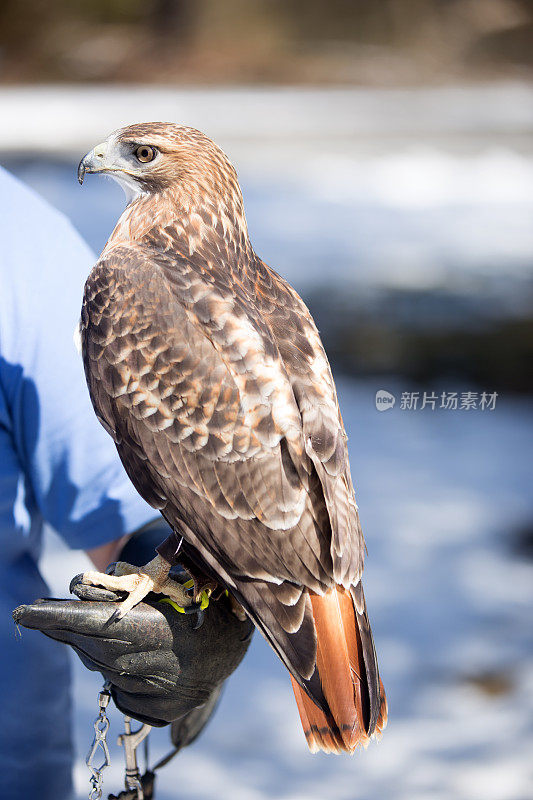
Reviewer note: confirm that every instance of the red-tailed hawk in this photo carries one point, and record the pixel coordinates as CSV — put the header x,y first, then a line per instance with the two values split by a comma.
x,y
206,368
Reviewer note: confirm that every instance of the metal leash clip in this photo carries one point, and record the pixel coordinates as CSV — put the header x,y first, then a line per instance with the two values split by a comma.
x,y
137,787
101,726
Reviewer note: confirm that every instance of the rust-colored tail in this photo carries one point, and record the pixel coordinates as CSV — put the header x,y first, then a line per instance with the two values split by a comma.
x,y
348,672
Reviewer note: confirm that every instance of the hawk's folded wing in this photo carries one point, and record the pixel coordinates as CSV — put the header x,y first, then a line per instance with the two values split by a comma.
x,y
215,399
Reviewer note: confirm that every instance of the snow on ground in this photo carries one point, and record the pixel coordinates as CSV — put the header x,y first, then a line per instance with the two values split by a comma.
x,y
58,119
440,495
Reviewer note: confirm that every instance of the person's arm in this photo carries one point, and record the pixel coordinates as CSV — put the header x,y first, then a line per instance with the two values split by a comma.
x,y
74,477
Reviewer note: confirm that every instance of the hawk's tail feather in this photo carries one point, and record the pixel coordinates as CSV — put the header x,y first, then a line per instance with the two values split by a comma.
x,y
347,669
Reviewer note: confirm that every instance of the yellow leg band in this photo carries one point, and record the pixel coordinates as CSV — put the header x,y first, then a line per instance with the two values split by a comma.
x,y
173,604
204,600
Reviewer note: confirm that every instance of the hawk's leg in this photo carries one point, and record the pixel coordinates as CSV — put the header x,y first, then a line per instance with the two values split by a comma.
x,y
138,582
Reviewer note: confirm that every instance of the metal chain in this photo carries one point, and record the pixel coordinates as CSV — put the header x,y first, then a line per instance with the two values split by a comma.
x,y
101,726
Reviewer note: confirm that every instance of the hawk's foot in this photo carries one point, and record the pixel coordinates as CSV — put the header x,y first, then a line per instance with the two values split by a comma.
x,y
204,587
137,582
200,584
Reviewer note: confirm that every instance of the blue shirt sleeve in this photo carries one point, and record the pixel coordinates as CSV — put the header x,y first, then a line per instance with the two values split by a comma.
x,y
74,477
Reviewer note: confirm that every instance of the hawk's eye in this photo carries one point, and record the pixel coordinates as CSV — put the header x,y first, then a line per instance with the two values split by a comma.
x,y
145,153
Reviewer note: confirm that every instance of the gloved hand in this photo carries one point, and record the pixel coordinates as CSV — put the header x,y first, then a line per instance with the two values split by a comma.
x,y
162,664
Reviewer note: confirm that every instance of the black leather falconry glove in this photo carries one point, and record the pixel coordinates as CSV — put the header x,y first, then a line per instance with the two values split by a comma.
x,y
164,665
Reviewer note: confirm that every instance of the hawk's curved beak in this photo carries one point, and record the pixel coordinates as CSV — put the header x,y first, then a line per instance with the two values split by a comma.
x,y
93,161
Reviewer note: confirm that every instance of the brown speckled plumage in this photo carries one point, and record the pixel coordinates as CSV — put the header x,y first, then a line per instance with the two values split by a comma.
x,y
208,371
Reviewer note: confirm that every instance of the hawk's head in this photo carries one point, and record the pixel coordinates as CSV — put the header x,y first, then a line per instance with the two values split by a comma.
x,y
150,157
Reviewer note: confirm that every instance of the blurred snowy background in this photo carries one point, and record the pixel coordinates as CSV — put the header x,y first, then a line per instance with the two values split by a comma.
x,y
386,159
